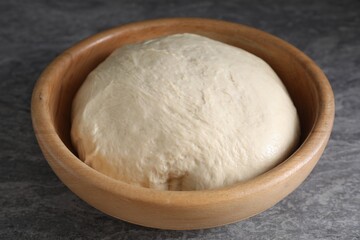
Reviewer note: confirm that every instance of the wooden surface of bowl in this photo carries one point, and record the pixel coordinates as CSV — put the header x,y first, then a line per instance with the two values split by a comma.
x,y
51,106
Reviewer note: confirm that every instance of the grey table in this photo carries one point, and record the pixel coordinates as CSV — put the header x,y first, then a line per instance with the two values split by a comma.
x,y
34,204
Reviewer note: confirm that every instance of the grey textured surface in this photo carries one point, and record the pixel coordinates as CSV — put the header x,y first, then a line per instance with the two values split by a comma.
x,y
34,204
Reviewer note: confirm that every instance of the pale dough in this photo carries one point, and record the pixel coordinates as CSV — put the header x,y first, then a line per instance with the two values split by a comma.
x,y
183,112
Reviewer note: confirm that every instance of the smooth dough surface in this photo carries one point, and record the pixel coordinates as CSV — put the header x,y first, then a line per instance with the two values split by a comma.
x,y
183,112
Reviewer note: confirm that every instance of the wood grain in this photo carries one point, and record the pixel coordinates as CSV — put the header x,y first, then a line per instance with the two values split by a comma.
x,y
55,89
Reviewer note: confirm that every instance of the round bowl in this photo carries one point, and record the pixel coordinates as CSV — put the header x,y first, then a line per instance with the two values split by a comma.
x,y
51,104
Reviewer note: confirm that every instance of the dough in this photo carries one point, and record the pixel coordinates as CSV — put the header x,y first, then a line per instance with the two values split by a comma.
x,y
183,112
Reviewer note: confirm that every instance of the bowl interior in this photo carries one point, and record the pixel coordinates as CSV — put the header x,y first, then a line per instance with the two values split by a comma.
x,y
78,61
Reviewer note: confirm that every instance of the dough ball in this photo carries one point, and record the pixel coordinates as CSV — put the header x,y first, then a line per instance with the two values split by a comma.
x,y
183,112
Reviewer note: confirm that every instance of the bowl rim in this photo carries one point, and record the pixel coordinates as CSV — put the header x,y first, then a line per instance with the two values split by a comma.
x,y
311,146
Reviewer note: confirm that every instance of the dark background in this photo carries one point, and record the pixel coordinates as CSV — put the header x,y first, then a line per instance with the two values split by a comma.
x,y
34,204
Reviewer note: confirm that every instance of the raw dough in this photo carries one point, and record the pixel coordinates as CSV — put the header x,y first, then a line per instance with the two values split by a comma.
x,y
183,112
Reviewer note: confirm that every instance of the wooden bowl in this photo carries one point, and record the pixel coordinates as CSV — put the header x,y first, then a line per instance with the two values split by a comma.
x,y
55,89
